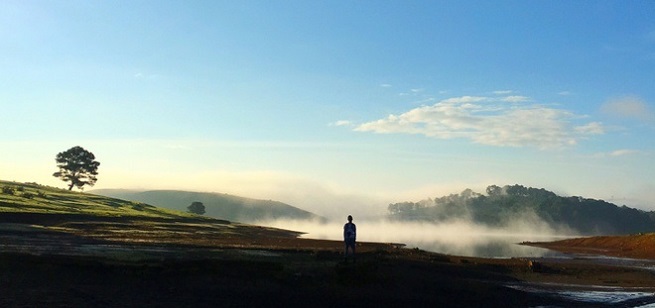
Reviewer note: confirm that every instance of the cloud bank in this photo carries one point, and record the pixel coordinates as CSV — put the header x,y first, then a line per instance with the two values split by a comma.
x,y
496,121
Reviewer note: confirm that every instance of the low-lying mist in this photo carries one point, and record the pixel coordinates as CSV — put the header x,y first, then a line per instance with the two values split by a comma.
x,y
455,237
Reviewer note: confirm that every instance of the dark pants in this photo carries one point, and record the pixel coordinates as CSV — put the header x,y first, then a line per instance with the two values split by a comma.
x,y
350,243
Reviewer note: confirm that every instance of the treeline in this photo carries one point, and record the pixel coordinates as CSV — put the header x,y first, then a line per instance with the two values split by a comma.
x,y
501,204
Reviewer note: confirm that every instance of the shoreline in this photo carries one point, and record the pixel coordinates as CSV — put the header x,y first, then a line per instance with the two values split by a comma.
x,y
164,263
637,246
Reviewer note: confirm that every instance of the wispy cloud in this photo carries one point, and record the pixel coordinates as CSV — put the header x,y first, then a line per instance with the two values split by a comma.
x,y
145,76
623,152
483,120
629,107
593,128
502,92
342,123
618,153
510,98
412,92
515,99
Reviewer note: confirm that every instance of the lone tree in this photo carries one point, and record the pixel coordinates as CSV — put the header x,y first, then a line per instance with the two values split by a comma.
x,y
196,208
77,166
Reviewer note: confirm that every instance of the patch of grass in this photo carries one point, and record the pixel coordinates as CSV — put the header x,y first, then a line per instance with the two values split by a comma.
x,y
35,198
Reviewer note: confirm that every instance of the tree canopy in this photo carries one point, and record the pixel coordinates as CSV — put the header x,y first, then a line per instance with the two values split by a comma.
x,y
501,204
77,166
196,208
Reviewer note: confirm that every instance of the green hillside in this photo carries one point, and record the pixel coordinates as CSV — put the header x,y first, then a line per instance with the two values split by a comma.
x,y
502,204
37,199
222,206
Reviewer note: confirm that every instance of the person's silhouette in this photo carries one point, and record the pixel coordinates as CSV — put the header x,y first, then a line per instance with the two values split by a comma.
x,y
349,237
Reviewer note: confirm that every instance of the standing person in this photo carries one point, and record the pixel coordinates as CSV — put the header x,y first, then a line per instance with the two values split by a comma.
x,y
349,237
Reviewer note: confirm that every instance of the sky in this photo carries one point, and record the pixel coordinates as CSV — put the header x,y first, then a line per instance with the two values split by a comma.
x,y
334,106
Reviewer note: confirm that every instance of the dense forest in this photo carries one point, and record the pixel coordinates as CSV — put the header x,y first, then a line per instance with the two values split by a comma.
x,y
501,204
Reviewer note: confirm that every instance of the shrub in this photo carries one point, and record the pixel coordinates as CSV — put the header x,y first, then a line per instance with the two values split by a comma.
x,y
41,194
8,190
20,188
137,206
28,195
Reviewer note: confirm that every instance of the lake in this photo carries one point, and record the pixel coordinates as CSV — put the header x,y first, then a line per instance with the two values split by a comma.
x,y
455,238
491,246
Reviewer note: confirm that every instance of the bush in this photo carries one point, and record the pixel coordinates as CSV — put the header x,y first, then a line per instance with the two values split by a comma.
x,y
8,190
196,208
41,194
28,195
20,188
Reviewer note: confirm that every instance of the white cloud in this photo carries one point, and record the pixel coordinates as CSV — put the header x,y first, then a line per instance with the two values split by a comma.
x,y
385,85
593,128
623,152
342,123
617,153
465,99
515,99
503,92
482,121
412,92
510,98
630,107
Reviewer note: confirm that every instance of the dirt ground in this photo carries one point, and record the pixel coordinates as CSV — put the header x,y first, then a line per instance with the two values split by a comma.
x,y
122,262
638,246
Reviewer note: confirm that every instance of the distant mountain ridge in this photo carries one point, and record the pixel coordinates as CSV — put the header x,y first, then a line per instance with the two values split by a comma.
x,y
217,205
502,204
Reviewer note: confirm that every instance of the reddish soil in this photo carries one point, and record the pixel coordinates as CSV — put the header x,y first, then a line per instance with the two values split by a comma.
x,y
641,246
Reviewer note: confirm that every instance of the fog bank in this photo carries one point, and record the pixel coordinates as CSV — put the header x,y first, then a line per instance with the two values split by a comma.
x,y
453,237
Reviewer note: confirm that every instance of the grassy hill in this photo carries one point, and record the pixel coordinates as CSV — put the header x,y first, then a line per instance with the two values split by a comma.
x,y
503,204
43,219
32,198
222,206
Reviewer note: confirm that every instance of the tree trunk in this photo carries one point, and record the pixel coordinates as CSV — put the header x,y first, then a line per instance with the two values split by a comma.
x,y
71,186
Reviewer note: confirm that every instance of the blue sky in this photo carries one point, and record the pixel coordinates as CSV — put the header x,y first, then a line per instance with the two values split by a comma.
x,y
334,105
